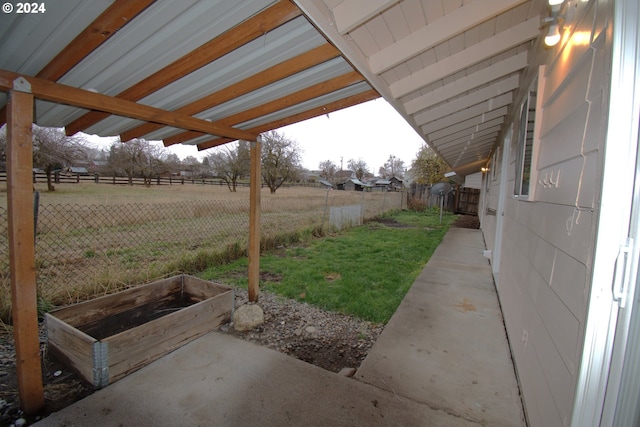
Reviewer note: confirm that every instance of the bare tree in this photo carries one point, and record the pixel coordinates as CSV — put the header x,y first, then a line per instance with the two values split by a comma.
x,y
173,162
392,167
192,165
152,162
137,157
327,169
52,150
280,160
359,167
230,162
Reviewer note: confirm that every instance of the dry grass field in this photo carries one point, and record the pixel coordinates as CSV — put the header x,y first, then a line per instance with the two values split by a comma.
x,y
95,239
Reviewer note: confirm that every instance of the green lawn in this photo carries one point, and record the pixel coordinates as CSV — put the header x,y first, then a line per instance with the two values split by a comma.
x,y
364,271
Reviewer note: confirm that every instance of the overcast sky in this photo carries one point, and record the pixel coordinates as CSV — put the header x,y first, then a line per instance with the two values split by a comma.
x,y
371,131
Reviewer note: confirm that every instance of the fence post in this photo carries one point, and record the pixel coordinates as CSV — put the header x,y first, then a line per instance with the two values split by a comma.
x,y
326,206
384,199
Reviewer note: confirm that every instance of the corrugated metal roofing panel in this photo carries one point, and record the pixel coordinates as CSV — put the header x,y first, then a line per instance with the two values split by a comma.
x,y
281,44
28,42
161,35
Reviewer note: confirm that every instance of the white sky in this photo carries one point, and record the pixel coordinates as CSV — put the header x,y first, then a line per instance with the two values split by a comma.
x,y
371,131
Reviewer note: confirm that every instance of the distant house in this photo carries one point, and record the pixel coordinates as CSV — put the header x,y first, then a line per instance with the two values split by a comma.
x,y
77,170
96,165
325,183
393,184
353,184
396,183
382,185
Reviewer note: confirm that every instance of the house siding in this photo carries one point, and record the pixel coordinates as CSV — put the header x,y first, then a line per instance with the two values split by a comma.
x,y
547,248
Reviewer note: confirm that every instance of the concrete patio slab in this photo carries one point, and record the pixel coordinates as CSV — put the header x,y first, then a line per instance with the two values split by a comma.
x,y
220,380
442,360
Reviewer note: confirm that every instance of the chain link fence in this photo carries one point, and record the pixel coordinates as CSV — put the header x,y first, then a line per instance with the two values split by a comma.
x,y
89,250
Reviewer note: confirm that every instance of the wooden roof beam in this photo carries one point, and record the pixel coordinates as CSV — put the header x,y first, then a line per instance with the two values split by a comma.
x,y
436,133
63,94
278,72
473,132
486,94
250,29
305,115
474,54
468,113
298,97
450,25
99,31
467,83
352,13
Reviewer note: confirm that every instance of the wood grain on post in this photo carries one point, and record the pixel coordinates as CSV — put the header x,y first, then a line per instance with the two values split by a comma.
x,y
22,247
254,222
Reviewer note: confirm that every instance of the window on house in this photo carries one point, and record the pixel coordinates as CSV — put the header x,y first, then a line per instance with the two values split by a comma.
x,y
524,153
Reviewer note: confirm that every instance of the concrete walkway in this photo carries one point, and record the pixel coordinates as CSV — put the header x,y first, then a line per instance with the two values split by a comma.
x,y
443,360
446,346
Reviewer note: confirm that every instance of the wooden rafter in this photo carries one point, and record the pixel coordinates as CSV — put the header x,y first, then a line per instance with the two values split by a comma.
x,y
55,92
474,54
252,28
278,72
305,115
448,26
298,97
99,31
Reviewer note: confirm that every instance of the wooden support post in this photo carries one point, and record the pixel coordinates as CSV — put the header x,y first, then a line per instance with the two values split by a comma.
x,y
22,246
254,222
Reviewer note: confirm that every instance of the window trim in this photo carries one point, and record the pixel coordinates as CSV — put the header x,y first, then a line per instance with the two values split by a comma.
x,y
532,127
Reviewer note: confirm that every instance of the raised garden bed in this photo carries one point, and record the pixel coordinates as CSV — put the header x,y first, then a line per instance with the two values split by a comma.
x,y
107,338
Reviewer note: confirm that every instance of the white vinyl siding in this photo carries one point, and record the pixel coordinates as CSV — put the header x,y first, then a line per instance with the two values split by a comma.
x,y
547,248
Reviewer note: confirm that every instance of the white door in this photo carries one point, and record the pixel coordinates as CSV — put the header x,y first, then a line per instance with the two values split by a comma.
x,y
609,381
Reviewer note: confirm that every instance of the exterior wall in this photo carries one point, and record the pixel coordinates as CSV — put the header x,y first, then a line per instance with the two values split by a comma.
x,y
547,248
473,181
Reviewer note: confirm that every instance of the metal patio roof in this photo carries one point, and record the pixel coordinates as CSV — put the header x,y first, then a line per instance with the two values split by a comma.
x,y
450,67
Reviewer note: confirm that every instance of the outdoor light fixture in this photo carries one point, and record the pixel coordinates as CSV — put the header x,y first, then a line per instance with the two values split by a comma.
x,y
484,170
553,35
553,22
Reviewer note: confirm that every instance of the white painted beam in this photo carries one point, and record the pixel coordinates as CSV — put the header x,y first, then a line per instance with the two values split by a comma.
x,y
350,14
458,146
468,113
473,134
474,54
485,94
442,29
469,158
471,81
470,123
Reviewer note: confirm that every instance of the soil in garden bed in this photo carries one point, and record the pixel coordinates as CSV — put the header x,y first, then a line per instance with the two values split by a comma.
x,y
116,323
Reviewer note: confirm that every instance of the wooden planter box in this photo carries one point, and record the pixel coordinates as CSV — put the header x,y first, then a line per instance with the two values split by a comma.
x,y
109,337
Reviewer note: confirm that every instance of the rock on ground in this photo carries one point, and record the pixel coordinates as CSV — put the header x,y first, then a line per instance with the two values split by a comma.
x,y
247,317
